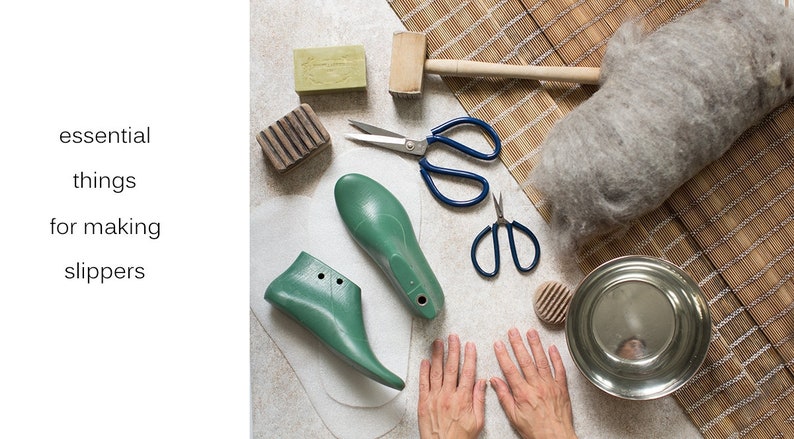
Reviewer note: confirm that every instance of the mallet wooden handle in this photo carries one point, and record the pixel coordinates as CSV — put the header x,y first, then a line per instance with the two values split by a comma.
x,y
409,64
468,69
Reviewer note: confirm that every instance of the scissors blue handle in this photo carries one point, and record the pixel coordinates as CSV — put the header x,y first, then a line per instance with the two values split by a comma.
x,y
494,229
426,169
436,137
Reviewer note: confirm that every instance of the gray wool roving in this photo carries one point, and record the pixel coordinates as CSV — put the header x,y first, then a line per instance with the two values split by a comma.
x,y
670,103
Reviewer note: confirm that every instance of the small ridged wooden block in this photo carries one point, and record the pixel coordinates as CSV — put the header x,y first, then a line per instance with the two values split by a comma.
x,y
294,138
551,303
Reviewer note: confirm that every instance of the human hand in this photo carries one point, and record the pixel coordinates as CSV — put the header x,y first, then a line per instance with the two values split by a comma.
x,y
450,407
535,400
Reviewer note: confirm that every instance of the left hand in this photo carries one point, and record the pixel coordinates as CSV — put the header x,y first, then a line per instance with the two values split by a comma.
x,y
450,406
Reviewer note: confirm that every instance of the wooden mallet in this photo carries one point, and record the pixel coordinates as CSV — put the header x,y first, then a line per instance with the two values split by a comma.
x,y
408,66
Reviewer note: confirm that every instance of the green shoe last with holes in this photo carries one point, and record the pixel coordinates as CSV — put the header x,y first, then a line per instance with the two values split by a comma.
x,y
380,225
329,305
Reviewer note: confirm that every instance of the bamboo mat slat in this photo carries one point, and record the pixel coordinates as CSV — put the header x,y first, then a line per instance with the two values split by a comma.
x,y
731,227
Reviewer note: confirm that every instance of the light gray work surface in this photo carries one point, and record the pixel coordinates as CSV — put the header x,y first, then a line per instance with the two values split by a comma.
x,y
477,309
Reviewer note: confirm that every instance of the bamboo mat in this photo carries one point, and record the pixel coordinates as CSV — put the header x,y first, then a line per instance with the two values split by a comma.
x,y
731,227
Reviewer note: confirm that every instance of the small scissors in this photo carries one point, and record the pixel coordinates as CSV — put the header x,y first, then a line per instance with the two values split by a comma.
x,y
397,142
494,229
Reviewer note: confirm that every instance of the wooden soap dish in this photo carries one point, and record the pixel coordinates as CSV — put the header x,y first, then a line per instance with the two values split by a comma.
x,y
292,139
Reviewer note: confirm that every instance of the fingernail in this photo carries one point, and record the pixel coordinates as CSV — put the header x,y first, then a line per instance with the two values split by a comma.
x,y
553,349
499,346
533,334
453,337
494,383
438,343
469,346
481,384
513,332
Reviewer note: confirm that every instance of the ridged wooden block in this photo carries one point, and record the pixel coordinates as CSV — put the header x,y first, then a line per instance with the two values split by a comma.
x,y
292,139
551,303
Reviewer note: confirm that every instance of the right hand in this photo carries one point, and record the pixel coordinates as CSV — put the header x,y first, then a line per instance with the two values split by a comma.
x,y
535,399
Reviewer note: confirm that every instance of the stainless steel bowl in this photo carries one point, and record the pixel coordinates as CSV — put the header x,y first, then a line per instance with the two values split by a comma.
x,y
638,327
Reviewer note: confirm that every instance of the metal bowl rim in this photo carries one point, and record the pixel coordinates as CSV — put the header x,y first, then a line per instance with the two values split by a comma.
x,y
698,351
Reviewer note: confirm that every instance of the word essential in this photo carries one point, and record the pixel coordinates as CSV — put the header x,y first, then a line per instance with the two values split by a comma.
x,y
123,136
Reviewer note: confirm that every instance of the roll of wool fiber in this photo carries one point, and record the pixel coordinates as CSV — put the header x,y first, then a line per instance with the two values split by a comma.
x,y
670,103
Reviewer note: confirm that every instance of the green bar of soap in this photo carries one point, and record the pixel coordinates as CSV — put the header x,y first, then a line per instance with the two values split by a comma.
x,y
329,69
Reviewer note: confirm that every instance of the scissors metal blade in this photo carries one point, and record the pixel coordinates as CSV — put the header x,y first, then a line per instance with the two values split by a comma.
x,y
371,129
500,217
400,144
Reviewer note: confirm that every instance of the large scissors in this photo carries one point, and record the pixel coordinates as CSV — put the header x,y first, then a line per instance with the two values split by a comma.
x,y
397,142
494,229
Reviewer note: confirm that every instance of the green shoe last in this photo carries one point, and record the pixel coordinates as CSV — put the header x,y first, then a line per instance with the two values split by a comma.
x,y
329,305
380,225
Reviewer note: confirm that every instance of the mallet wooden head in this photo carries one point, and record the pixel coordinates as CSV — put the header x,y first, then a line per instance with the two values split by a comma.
x,y
408,66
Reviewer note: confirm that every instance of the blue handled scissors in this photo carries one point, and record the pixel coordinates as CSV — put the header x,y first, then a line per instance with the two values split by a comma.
x,y
494,229
397,142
